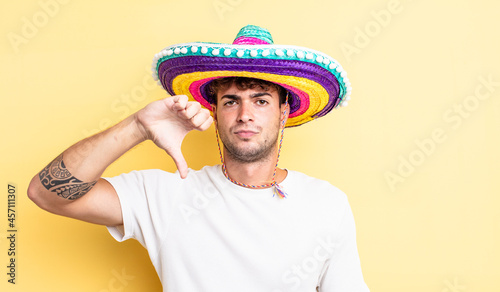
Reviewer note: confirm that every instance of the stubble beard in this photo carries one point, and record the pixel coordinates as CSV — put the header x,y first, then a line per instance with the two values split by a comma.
x,y
263,152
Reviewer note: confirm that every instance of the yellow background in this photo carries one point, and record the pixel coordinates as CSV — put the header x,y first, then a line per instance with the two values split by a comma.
x,y
412,64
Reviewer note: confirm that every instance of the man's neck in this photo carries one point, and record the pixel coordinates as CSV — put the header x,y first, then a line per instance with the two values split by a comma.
x,y
254,173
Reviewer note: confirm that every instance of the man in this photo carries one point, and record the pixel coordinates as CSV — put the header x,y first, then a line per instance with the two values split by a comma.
x,y
245,225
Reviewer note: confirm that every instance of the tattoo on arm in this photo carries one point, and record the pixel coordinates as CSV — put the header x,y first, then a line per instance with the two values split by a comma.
x,y
56,178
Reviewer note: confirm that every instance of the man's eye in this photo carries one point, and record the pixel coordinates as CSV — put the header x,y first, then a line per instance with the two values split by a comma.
x,y
262,102
231,102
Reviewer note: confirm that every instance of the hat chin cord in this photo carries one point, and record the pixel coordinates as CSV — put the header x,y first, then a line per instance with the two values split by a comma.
x,y
278,190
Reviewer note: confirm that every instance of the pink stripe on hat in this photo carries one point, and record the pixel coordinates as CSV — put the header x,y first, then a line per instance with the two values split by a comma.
x,y
304,100
249,41
194,88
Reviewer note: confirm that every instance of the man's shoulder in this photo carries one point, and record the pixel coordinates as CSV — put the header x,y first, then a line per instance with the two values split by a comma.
x,y
303,180
314,189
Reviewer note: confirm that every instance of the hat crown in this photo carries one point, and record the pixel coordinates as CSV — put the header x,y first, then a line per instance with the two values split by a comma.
x,y
253,35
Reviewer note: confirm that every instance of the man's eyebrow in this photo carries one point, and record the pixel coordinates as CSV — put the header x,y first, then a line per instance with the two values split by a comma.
x,y
259,94
231,96
237,97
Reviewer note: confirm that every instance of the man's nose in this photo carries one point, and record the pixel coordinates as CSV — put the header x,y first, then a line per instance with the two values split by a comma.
x,y
245,112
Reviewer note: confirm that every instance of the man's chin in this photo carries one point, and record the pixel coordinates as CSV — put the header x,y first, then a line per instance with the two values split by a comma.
x,y
248,154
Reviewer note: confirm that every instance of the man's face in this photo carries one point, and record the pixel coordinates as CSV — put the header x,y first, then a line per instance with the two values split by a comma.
x,y
248,122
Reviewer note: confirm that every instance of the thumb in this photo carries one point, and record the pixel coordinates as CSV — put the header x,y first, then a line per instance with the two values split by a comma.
x,y
180,162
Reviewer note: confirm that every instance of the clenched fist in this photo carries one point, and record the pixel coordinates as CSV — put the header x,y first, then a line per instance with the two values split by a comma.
x,y
166,122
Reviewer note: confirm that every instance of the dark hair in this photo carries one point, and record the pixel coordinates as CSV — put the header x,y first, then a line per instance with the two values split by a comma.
x,y
243,83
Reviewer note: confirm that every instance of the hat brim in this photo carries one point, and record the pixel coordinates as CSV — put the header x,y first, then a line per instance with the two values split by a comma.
x,y
316,82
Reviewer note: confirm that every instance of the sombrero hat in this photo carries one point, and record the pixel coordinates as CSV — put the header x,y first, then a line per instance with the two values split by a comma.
x,y
316,82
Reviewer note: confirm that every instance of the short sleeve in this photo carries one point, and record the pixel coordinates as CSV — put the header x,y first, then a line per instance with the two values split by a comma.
x,y
343,272
134,200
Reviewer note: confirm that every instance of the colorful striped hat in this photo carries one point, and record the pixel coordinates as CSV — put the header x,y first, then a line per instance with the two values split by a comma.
x,y
316,82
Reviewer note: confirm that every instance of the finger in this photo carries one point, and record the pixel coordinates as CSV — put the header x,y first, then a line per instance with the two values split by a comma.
x,y
180,162
200,118
192,109
180,102
206,124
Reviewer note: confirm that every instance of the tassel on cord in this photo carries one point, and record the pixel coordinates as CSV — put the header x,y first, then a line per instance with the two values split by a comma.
x,y
278,190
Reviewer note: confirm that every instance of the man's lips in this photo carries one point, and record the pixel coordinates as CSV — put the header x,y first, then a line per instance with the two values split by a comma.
x,y
245,133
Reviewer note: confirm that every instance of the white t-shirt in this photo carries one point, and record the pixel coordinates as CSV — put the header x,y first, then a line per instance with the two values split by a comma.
x,y
206,234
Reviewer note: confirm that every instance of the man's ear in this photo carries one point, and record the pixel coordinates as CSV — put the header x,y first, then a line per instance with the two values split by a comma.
x,y
214,112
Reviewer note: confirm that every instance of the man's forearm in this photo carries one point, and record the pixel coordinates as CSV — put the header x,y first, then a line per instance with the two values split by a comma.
x,y
56,178
75,171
